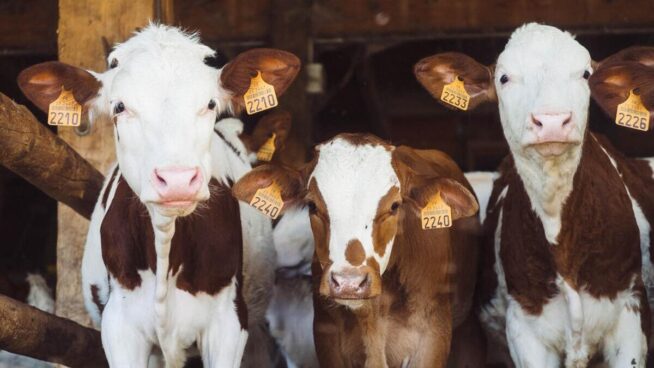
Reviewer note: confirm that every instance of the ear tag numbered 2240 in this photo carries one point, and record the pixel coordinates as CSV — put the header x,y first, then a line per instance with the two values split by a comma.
x,y
436,214
268,200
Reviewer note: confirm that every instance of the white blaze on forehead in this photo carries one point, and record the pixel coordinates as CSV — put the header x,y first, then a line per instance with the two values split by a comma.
x,y
352,179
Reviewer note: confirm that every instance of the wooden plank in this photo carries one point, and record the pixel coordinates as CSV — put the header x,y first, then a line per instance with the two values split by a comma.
x,y
83,25
29,25
32,151
28,331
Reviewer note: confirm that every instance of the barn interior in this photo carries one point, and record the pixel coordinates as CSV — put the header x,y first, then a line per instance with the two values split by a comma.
x,y
361,54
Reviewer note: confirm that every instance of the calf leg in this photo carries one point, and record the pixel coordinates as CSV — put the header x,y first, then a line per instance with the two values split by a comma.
x,y
468,345
527,350
223,342
124,342
626,346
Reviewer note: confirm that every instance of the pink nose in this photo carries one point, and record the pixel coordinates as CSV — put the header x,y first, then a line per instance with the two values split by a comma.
x,y
350,284
177,183
552,127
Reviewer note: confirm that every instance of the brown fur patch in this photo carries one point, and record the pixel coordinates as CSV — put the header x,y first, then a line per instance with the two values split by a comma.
x,y
384,226
372,262
354,252
357,139
319,224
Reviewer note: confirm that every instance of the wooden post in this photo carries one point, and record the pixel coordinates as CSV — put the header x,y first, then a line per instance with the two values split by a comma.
x,y
83,25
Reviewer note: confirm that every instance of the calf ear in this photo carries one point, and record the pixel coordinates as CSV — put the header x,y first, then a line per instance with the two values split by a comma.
x,y
278,68
289,181
639,54
434,72
460,200
611,83
42,83
276,122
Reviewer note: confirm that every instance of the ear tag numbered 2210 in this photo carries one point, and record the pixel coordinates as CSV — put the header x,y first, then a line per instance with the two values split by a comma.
x,y
632,113
65,111
260,96
455,94
267,150
436,214
268,200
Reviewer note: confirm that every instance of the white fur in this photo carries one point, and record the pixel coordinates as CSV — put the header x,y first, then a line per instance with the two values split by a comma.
x,y
165,85
352,179
482,184
293,238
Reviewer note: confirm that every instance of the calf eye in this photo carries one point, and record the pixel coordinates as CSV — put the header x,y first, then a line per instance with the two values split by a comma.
x,y
120,107
394,207
586,74
211,105
312,207
504,78
114,63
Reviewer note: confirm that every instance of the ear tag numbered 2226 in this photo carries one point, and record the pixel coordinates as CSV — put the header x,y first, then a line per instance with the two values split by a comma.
x,y
455,94
436,214
65,111
267,150
268,200
260,96
632,113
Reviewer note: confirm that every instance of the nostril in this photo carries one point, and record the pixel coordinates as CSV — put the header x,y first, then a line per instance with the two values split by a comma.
x,y
195,177
567,120
536,122
160,178
363,282
334,282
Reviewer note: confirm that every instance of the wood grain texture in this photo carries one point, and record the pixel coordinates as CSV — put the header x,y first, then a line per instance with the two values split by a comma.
x,y
26,330
85,26
32,151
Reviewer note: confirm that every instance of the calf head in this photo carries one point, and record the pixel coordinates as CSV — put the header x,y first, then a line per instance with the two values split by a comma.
x,y
359,190
540,84
163,101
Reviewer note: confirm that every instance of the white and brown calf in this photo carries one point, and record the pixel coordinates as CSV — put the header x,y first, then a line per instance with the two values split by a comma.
x,y
386,292
566,235
153,276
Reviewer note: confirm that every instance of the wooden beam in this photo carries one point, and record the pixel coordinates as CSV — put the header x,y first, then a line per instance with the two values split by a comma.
x,y
32,151
83,25
26,330
29,26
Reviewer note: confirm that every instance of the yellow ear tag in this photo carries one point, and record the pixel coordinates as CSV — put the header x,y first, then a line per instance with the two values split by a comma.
x,y
436,214
632,113
268,200
65,111
267,150
455,94
260,97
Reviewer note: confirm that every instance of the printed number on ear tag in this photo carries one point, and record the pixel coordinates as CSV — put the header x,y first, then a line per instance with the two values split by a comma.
x,y
455,94
267,150
436,214
65,111
260,96
268,200
632,113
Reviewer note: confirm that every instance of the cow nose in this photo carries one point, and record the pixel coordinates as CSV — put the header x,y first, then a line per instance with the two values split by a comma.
x,y
350,284
552,127
177,183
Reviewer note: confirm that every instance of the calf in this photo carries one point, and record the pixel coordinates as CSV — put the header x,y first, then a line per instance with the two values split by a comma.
x,y
386,292
152,277
562,279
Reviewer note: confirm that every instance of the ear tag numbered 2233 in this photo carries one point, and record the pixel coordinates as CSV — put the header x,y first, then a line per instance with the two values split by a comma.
x,y
632,113
267,150
436,214
455,94
260,96
268,200
65,111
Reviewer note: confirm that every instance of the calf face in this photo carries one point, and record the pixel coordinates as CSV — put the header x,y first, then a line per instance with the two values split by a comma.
x,y
163,101
539,81
357,189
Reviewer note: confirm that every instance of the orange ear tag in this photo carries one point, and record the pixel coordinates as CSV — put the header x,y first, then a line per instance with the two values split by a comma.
x,y
268,200
65,111
632,113
436,214
260,96
455,94
267,150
